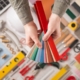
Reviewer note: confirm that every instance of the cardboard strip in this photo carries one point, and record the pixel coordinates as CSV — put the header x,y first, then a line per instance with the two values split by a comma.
x,y
33,57
44,23
42,53
38,55
48,53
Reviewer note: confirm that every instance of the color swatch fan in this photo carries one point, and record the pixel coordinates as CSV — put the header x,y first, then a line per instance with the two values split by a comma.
x,y
48,53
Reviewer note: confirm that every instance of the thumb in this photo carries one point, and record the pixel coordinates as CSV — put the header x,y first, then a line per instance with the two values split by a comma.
x,y
47,35
36,40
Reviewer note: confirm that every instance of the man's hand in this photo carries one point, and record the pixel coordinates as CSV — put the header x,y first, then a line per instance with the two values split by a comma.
x,y
53,27
32,34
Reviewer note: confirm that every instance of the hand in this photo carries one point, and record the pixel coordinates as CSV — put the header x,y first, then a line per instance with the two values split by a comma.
x,y
53,27
32,34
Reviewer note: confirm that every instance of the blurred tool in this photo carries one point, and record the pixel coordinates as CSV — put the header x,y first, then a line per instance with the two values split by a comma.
x,y
64,55
66,76
73,26
77,7
61,73
27,68
13,62
2,36
69,36
32,75
6,41
66,44
4,56
64,34
77,48
71,78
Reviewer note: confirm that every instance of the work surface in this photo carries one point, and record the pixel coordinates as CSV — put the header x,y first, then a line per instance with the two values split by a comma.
x,y
16,39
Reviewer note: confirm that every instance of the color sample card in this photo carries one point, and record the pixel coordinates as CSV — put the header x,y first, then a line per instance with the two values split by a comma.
x,y
72,15
78,57
77,7
5,55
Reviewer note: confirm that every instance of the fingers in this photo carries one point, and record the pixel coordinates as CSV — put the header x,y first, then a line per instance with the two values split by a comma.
x,y
47,35
36,41
29,42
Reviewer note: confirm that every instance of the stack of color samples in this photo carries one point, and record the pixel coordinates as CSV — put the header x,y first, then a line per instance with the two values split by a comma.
x,y
43,55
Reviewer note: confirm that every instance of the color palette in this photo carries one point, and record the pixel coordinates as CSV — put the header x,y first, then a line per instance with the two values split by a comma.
x,y
43,55
52,48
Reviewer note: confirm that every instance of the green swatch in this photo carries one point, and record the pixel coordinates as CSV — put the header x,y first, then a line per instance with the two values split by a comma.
x,y
33,57
70,14
34,53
